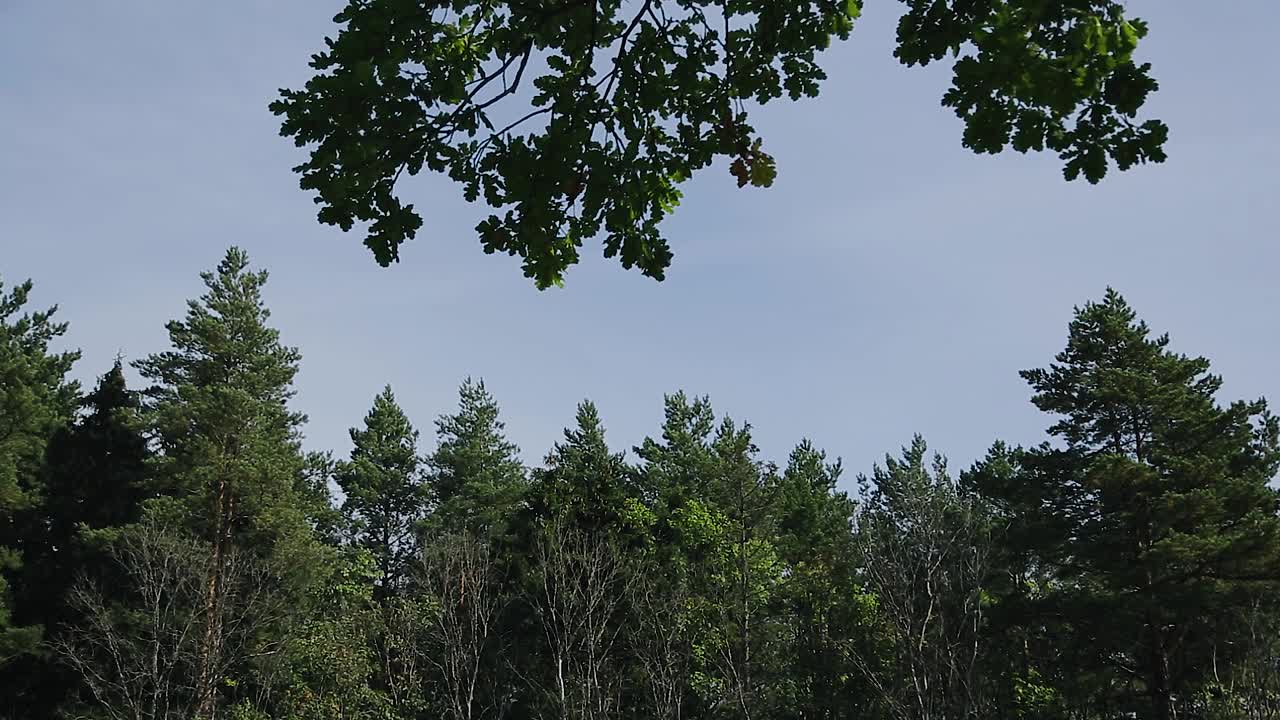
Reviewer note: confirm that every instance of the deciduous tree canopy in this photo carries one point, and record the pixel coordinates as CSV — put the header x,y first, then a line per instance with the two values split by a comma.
x,y
578,119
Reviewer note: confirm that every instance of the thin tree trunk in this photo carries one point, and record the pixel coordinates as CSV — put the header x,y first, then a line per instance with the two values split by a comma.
x,y
1161,695
210,644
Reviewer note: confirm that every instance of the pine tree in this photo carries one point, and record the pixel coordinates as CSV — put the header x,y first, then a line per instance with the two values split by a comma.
x,y
315,493
586,486
576,542
713,501
385,497
228,442
812,511
819,597
476,477
94,482
1154,512
35,399
746,576
679,465
926,557
675,476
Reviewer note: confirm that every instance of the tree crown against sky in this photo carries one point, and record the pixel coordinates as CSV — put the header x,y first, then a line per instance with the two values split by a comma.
x,y
575,120
1129,564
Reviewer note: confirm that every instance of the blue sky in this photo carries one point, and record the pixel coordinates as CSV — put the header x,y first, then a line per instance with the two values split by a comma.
x,y
889,283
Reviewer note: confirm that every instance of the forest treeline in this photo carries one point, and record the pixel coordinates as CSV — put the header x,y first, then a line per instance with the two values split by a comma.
x,y
171,552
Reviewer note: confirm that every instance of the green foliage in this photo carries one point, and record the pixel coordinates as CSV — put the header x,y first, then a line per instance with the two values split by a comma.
x,y
315,496
1032,697
586,486
678,466
93,483
136,645
332,667
228,453
329,664
813,512
1039,75
385,499
218,414
1155,514
476,477
96,470
717,510
926,556
1129,568
819,599
35,399
581,119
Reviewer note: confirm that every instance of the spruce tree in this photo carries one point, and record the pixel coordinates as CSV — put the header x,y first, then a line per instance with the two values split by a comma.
x,y
36,398
228,442
476,477
1153,511
96,475
94,482
819,597
385,496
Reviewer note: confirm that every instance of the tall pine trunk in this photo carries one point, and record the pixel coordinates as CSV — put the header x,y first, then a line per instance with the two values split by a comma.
x,y
1161,693
210,648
